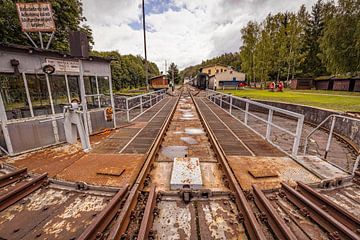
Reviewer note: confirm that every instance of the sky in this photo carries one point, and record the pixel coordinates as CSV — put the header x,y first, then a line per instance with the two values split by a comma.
x,y
181,31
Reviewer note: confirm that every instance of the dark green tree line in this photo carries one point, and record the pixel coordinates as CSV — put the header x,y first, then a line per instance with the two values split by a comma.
x,y
302,44
128,70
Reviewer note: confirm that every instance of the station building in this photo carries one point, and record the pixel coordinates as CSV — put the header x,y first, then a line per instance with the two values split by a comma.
x,y
32,101
225,78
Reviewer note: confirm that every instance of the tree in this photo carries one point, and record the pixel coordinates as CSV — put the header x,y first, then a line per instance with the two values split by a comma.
x,y
314,30
247,51
68,16
173,72
128,70
340,42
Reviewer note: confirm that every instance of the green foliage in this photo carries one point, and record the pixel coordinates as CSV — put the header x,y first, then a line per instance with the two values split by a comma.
x,y
340,42
228,59
128,71
173,72
288,45
68,16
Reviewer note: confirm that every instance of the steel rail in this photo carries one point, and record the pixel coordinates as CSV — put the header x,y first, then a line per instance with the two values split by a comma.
x,y
147,221
277,224
340,214
21,191
102,220
12,177
123,219
251,224
335,228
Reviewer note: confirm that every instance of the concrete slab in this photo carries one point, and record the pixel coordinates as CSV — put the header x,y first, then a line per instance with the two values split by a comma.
x,y
186,173
323,168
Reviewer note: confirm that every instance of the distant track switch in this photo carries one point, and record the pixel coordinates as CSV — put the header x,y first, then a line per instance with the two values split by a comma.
x,y
73,124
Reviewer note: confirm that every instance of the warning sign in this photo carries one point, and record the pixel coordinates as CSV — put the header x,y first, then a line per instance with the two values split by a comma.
x,y
35,17
64,65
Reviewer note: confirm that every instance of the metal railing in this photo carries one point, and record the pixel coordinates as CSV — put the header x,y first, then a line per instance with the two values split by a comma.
x,y
213,96
141,102
333,118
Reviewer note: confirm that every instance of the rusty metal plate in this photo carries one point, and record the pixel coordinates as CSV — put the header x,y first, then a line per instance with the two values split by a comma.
x,y
218,220
176,220
87,167
51,160
50,213
287,169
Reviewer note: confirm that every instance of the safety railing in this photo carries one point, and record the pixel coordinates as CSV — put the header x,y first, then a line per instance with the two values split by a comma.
x,y
333,118
221,99
137,105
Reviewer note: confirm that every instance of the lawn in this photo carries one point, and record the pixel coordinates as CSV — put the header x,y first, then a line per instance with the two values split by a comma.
x,y
334,100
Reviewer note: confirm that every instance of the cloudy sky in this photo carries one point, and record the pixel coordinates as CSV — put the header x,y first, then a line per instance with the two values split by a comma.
x,y
180,31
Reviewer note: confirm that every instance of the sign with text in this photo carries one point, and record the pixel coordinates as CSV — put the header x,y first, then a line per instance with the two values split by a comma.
x,y
64,65
35,17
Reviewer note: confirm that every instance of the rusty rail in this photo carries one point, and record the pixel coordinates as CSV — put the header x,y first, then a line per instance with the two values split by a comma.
x,y
12,177
98,225
330,207
336,229
21,191
123,219
277,224
148,216
252,226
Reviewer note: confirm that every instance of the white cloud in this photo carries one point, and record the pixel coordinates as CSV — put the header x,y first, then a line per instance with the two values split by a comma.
x,y
197,30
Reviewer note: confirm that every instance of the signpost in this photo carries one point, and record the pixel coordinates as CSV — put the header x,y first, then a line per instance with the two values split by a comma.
x,y
36,17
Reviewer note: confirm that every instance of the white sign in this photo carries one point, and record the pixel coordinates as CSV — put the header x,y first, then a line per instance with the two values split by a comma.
x,y
35,17
64,65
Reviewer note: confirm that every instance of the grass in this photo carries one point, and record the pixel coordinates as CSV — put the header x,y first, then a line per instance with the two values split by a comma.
x,y
333,100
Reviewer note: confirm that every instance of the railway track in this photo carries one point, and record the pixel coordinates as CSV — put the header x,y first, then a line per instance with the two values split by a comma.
x,y
157,206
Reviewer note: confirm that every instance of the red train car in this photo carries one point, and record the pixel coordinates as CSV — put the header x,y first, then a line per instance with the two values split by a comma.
x,y
159,82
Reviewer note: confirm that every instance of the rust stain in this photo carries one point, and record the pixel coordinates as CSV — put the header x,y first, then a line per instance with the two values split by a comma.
x,y
287,170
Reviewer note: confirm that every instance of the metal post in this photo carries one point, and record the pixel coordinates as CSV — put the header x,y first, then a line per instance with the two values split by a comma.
x,y
32,41
268,128
4,128
146,62
67,88
246,113
330,136
41,40
84,104
49,42
298,133
150,100
230,107
97,91
141,104
221,100
127,110
112,97
50,95
28,94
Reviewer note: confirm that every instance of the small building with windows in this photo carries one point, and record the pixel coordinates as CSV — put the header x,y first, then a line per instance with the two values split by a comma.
x,y
214,69
226,79
32,101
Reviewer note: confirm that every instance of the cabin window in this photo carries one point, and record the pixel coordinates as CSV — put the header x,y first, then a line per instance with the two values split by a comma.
x,y
217,70
39,94
14,96
58,92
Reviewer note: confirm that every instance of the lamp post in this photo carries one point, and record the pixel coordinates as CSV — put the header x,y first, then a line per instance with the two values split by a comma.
x,y
146,62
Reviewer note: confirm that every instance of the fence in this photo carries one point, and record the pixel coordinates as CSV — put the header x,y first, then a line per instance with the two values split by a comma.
x,y
232,103
135,106
333,118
